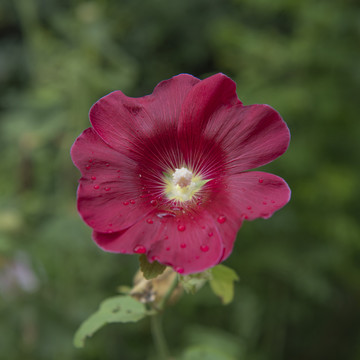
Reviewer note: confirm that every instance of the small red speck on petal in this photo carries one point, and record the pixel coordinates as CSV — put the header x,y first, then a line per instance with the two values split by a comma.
x,y
264,203
204,248
249,208
261,181
139,249
90,160
155,258
183,246
168,248
179,270
126,203
210,234
149,221
93,178
221,219
96,187
272,201
181,227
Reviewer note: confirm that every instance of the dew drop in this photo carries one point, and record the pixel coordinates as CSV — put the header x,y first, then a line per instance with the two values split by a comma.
x,y
153,202
179,270
246,217
204,248
261,181
126,203
168,248
93,178
107,164
90,160
154,258
272,201
87,167
139,249
249,207
132,202
149,221
181,227
107,188
163,215
166,237
264,203
210,234
221,219
176,208
197,257
183,246
96,187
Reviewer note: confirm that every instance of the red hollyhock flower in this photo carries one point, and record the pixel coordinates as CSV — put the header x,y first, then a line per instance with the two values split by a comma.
x,y
166,174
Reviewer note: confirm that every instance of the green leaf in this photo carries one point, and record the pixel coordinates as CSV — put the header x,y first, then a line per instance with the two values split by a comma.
x,y
150,270
112,310
205,353
222,283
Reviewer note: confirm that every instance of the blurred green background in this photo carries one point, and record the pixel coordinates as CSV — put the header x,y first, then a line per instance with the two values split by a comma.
x,y
299,295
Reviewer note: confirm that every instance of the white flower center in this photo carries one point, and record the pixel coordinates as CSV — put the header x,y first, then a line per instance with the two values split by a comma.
x,y
182,177
182,185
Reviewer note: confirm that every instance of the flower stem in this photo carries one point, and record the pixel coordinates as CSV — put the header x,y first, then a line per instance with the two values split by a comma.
x,y
158,337
156,324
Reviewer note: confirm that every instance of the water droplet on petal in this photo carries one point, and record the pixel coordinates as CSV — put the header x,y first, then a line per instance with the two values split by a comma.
x,y
107,164
126,203
149,221
165,215
272,201
93,178
96,187
183,246
249,207
90,160
154,258
181,227
221,219
139,249
210,234
132,202
179,270
261,181
264,203
153,202
246,217
176,208
107,188
204,248
168,248
87,167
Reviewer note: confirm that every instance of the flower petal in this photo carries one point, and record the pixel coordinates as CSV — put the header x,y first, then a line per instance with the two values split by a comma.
x,y
251,136
109,189
121,120
188,246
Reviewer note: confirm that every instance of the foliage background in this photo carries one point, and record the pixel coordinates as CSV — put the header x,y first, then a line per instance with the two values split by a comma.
x,y
299,295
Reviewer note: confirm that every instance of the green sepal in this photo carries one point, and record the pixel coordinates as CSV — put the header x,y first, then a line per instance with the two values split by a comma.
x,y
222,283
150,270
115,309
194,282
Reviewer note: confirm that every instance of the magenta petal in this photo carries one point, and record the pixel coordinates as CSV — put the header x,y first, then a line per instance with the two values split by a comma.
x,y
188,246
109,189
257,194
121,120
251,136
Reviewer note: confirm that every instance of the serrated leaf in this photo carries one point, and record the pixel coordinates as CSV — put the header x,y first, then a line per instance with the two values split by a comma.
x,y
150,270
205,353
112,310
222,283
